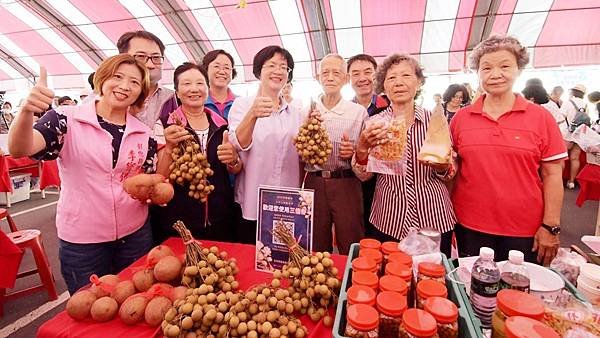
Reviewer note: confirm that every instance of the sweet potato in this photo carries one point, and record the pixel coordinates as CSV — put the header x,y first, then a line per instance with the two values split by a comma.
x,y
167,269
80,304
123,290
162,193
157,253
156,310
104,285
104,309
133,308
140,186
143,280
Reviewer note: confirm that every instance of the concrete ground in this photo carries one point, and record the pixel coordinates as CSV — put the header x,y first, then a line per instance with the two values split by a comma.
x,y
23,316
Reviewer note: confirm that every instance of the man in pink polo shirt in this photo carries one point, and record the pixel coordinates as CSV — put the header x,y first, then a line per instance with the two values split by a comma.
x,y
508,191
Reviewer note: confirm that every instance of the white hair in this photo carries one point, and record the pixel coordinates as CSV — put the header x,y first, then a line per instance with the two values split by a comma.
x,y
336,56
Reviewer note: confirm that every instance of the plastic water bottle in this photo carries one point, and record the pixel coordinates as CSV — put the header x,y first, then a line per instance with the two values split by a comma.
x,y
514,273
485,280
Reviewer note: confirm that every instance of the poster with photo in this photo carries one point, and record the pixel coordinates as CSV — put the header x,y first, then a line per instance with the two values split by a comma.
x,y
292,207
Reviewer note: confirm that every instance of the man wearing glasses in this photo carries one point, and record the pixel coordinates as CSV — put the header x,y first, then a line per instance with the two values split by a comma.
x,y
149,50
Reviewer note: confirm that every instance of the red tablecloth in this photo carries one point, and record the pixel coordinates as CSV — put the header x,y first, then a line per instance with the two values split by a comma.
x,y
63,326
48,178
10,259
589,180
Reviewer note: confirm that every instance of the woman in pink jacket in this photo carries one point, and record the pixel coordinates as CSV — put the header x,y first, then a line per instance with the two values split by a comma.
x,y
98,145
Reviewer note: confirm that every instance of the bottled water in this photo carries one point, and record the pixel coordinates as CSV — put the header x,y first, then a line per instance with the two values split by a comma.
x,y
485,278
514,273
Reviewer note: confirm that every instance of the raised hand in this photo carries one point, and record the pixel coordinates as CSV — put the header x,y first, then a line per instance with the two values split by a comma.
x,y
346,148
40,97
175,134
263,106
226,151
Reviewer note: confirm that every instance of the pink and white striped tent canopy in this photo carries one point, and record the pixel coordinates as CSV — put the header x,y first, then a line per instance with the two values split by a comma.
x,y
71,37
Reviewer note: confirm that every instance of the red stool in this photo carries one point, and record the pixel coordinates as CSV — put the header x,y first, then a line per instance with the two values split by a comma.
x,y
29,239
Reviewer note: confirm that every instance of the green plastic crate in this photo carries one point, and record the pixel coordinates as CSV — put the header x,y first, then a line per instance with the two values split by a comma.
x,y
469,326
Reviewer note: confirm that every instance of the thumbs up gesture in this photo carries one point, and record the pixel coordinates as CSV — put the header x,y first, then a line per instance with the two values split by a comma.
x,y
226,151
40,97
346,147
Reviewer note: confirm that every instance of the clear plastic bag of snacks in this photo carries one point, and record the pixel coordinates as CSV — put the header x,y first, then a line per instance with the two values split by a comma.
x,y
389,157
568,263
571,318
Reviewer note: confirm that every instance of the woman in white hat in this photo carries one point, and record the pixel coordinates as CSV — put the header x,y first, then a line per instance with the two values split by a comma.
x,y
575,113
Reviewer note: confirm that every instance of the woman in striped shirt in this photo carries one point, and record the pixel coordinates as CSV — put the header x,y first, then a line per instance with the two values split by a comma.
x,y
418,198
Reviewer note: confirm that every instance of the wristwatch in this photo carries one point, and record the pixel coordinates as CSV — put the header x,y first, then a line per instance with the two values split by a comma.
x,y
553,230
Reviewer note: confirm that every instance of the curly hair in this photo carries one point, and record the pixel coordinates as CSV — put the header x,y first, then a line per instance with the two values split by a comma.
x,y
496,43
396,59
452,90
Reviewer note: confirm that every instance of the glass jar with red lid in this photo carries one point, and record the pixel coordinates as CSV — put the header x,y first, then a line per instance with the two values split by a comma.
x,y
360,294
391,305
393,283
388,248
514,303
446,315
364,264
428,270
524,327
373,254
418,324
365,278
369,243
362,321
430,288
400,257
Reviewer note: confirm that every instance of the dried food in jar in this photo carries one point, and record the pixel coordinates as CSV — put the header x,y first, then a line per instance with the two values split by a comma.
x,y
418,323
524,327
391,305
430,288
365,278
446,315
393,283
428,270
362,321
360,294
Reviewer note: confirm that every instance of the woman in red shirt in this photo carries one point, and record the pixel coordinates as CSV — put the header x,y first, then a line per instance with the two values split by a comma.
x,y
508,191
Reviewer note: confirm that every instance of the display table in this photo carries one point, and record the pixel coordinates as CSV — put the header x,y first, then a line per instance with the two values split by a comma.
x,y
589,180
63,326
47,171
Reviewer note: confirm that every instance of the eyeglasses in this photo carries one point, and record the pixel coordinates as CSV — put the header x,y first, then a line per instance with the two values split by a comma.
x,y
143,58
272,67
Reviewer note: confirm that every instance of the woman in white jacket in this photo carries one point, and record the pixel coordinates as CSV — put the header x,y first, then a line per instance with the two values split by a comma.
x,y
569,110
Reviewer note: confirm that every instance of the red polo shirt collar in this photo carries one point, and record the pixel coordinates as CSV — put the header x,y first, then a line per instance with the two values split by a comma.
x,y
520,105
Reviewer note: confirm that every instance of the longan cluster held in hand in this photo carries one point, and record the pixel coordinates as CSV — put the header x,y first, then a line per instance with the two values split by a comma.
x,y
190,167
260,312
312,277
312,142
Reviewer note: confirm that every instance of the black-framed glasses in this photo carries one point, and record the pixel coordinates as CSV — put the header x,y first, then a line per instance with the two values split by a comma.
x,y
143,58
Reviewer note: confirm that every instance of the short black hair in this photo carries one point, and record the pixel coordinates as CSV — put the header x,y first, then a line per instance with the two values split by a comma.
x,y
268,52
123,43
537,93
534,81
594,96
62,99
8,103
91,80
212,55
361,57
577,93
452,90
184,68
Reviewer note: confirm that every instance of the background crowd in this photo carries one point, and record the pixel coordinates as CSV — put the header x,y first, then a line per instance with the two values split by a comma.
x,y
501,186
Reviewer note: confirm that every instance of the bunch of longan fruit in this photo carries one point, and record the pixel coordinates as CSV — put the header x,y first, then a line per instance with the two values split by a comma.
x,y
214,269
312,142
190,167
